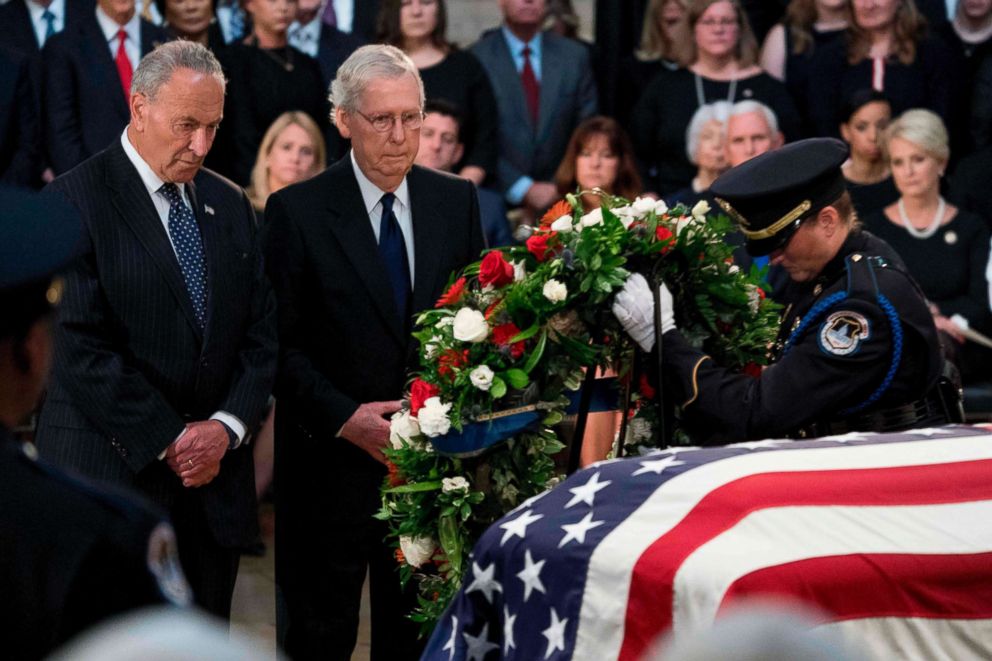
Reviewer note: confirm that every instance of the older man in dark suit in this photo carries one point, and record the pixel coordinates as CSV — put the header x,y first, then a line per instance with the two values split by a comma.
x,y
87,80
544,86
352,254
165,344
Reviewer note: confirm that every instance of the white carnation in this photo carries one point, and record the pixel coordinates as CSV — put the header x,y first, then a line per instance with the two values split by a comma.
x,y
433,417
482,377
417,550
700,210
519,271
470,326
638,431
563,224
645,205
626,214
555,291
594,217
449,484
402,427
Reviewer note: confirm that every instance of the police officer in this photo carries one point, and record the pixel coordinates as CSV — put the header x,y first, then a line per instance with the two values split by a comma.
x,y
71,553
857,349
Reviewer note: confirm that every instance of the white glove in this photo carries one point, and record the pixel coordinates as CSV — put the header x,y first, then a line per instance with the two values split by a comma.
x,y
633,306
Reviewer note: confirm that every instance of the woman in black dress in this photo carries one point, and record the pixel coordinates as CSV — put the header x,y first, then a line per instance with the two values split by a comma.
x,y
722,66
867,114
193,20
945,248
808,26
417,27
265,78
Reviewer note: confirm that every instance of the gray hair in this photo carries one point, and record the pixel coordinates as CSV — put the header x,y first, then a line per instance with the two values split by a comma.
x,y
156,68
749,105
366,64
923,128
718,111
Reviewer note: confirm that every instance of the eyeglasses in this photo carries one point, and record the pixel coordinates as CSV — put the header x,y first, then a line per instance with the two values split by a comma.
x,y
385,122
723,23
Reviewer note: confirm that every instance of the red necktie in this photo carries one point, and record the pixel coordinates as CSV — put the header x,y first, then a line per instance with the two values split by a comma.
x,y
532,89
124,69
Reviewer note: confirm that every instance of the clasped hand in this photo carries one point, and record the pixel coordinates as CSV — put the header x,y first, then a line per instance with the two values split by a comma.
x,y
195,456
633,306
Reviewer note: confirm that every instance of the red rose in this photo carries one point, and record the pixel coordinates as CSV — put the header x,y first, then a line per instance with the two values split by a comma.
x,y
420,392
501,337
395,479
537,244
647,391
665,236
753,369
761,293
557,210
450,359
453,295
495,270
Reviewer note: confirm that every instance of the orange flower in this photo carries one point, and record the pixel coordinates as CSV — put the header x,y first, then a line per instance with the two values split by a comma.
x,y
453,295
400,558
395,479
557,210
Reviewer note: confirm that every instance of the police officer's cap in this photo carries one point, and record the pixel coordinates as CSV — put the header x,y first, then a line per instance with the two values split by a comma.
x,y
771,194
39,235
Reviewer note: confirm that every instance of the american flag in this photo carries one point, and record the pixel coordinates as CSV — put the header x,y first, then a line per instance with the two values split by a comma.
x,y
888,535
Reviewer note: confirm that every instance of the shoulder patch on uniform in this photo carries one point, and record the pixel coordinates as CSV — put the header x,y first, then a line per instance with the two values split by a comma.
x,y
842,333
163,563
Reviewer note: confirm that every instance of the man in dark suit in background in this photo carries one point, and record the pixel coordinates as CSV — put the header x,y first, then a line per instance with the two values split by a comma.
x,y
544,86
352,254
25,25
20,157
87,80
165,344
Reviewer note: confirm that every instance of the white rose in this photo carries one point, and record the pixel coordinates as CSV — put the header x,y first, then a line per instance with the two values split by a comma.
x,y
700,210
470,326
643,205
733,269
433,418
626,214
638,431
402,427
482,377
555,291
449,484
417,550
563,224
686,223
594,217
660,207
519,271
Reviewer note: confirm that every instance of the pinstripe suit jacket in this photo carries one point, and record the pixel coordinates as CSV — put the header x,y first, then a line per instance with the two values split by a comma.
x,y
131,363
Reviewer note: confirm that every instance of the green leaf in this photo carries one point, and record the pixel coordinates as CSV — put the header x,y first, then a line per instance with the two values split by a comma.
x,y
415,487
535,355
498,389
518,378
553,418
447,530
525,334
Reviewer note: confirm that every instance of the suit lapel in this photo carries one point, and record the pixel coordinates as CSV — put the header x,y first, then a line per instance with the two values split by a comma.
x,y
428,236
100,65
507,70
349,223
136,208
149,38
551,81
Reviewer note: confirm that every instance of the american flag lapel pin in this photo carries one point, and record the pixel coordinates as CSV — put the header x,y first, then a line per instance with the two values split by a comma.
x,y
209,209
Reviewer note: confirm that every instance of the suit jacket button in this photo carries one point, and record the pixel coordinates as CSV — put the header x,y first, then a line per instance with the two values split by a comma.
x,y
204,363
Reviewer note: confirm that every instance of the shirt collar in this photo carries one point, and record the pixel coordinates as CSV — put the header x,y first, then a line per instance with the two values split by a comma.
x,y
151,180
57,8
372,194
110,28
517,45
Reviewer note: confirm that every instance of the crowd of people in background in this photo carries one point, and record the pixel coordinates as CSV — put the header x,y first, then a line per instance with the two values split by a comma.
x,y
521,113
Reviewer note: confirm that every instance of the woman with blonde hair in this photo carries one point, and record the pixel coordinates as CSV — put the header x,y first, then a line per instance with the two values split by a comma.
x,y
292,150
886,47
946,249
720,64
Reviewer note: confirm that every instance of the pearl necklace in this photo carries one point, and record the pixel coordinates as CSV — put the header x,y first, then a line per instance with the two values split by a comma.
x,y
927,231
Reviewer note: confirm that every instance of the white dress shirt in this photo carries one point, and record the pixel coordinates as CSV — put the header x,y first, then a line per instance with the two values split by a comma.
x,y
152,184
344,13
132,45
372,196
40,25
306,38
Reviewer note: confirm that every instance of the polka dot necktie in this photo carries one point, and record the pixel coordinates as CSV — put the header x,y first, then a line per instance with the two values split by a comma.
x,y
189,250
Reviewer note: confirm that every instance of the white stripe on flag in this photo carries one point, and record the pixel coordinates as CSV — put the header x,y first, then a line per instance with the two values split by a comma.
x,y
771,537
886,638
604,603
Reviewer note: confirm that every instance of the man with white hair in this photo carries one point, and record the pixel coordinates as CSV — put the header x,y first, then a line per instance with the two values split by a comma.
x,y
752,129
353,254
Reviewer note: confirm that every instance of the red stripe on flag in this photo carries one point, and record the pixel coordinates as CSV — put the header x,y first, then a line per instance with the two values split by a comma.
x,y
649,607
851,587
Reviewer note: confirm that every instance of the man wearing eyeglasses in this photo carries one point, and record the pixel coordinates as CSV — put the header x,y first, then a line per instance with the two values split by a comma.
x,y
353,254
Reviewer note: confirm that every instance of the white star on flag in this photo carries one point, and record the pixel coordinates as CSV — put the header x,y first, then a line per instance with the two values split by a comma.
x,y
483,581
577,531
555,633
531,575
518,527
587,492
508,621
479,646
450,645
657,466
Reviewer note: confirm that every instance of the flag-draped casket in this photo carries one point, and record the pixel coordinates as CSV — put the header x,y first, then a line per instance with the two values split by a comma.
x,y
889,536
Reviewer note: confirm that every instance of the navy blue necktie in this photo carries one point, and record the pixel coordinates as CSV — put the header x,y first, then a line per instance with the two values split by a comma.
x,y
392,249
185,234
49,19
